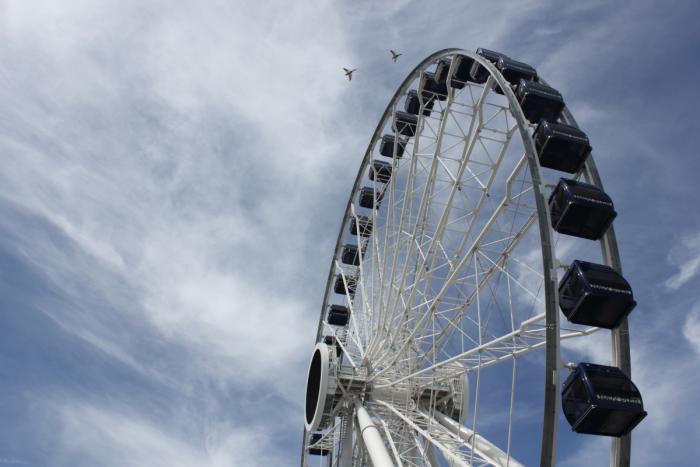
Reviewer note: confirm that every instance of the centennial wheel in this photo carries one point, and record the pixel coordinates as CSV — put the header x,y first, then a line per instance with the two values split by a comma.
x,y
476,218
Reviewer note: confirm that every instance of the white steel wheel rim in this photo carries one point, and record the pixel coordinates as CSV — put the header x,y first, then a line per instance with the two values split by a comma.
x,y
374,334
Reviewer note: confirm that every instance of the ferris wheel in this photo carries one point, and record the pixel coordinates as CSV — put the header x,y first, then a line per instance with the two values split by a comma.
x,y
475,259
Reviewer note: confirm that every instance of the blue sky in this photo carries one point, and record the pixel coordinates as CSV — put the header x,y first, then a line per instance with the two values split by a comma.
x,y
173,177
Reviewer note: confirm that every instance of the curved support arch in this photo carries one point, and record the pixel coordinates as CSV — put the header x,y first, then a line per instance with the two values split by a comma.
x,y
621,355
620,336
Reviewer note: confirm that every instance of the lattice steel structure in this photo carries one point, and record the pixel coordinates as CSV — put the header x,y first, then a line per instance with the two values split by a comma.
x,y
441,314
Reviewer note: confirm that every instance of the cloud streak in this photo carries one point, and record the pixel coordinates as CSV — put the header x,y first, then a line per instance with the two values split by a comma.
x,y
686,258
91,435
167,167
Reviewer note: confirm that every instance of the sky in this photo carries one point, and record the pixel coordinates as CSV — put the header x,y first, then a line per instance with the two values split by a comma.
x,y
173,175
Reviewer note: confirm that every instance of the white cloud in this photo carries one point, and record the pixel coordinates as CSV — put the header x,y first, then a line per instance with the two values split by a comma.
x,y
596,452
685,256
186,160
691,328
90,435
172,162
594,348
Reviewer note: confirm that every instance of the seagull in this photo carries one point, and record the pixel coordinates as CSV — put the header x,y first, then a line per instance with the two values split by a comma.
x,y
394,55
348,73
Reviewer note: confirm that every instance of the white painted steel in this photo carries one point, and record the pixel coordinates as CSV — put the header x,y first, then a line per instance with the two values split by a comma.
x,y
346,444
373,440
453,280
487,449
324,378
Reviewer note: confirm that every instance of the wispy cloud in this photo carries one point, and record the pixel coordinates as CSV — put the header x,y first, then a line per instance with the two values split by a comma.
x,y
180,181
92,435
691,328
685,257
166,164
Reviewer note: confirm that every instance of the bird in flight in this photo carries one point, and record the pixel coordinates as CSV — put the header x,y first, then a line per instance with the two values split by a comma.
x,y
394,55
349,73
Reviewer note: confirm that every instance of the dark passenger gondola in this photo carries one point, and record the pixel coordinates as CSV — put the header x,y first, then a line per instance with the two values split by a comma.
x,y
478,73
595,295
441,70
412,104
461,73
432,88
380,171
561,147
513,71
366,195
539,101
317,451
338,315
601,400
331,341
364,224
386,146
339,286
580,209
405,123
350,255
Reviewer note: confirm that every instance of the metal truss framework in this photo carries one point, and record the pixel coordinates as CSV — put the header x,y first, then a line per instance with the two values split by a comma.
x,y
452,284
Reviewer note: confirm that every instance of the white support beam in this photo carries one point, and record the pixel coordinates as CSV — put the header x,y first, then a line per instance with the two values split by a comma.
x,y
483,360
481,445
454,457
373,440
392,444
